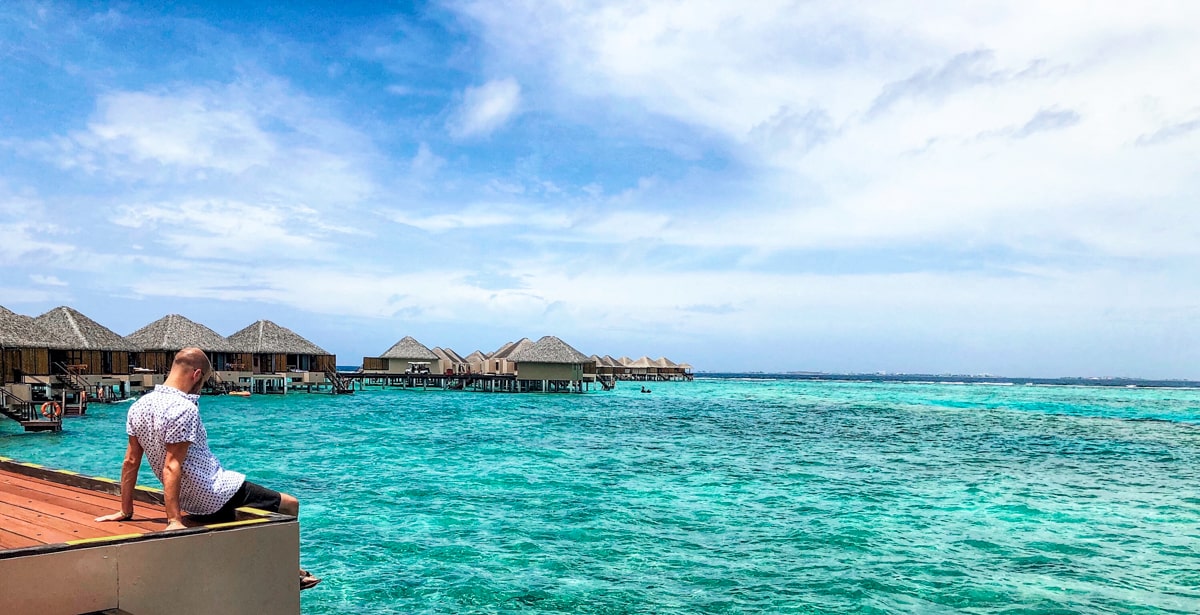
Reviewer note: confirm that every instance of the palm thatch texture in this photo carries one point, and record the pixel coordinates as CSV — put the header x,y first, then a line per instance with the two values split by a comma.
x,y
549,349
409,348
20,331
174,332
266,337
508,350
83,333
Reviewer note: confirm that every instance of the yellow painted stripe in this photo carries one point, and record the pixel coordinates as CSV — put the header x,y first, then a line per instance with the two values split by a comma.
x,y
254,511
70,473
150,489
33,465
217,526
104,480
84,541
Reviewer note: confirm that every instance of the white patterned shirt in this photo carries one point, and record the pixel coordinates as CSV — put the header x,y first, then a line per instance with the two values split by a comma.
x,y
167,415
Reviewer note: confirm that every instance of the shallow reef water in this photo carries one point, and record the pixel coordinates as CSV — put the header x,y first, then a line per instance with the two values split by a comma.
x,y
718,496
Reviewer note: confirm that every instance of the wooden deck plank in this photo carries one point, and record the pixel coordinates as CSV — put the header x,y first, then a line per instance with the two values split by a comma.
x,y
68,492
51,523
34,511
145,515
34,531
10,540
74,515
78,500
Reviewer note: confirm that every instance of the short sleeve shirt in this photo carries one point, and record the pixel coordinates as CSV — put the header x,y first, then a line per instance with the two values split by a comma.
x,y
165,416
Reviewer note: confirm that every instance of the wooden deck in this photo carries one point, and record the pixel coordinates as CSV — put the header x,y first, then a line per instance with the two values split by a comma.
x,y
54,558
36,512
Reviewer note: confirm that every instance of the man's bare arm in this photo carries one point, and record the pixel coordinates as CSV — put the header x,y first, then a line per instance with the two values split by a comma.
x,y
172,476
129,472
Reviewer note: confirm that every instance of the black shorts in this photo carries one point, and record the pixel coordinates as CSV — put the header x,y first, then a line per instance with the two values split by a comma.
x,y
249,494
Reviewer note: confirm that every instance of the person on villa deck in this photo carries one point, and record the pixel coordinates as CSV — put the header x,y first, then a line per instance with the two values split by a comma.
x,y
165,425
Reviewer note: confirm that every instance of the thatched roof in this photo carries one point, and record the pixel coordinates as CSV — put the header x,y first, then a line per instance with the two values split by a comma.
x,y
684,366
476,357
549,349
511,349
625,361
642,362
266,337
174,332
20,331
447,354
409,348
611,362
664,362
81,332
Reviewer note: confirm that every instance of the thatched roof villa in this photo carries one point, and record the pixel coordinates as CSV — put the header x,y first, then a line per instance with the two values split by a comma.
x,y
161,339
406,355
267,348
549,364
476,362
451,363
25,347
93,349
500,361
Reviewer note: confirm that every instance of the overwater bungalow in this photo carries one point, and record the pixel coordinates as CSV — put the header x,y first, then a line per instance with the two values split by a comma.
x,y
25,347
450,362
500,361
25,370
618,370
94,349
161,339
264,347
550,365
406,356
642,369
476,362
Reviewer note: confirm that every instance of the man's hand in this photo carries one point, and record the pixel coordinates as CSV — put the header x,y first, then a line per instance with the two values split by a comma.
x,y
117,516
175,525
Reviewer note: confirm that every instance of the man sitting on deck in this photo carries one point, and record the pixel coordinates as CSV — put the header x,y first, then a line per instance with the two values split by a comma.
x,y
165,425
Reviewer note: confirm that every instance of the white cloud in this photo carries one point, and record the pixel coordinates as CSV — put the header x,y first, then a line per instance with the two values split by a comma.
x,y
884,125
486,108
254,135
46,280
426,163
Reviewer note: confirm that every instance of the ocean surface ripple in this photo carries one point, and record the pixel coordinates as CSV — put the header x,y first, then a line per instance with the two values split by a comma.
x,y
719,496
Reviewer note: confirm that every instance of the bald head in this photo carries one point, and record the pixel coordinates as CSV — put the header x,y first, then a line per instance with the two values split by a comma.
x,y
189,370
192,358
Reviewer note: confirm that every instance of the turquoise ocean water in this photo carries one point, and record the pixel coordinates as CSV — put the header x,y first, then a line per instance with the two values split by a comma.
x,y
719,496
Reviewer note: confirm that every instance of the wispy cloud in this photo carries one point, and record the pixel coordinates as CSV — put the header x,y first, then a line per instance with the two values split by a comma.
x,y
1048,120
46,280
486,108
1168,133
961,71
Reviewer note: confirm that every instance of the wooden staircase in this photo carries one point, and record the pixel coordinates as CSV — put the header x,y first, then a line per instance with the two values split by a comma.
x,y
69,378
340,385
24,412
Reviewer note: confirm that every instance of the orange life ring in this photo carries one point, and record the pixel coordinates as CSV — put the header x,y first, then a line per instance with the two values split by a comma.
x,y
51,409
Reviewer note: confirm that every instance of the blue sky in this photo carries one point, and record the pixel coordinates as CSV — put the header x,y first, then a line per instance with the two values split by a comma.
x,y
1003,187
